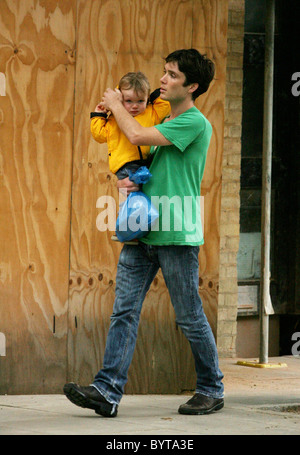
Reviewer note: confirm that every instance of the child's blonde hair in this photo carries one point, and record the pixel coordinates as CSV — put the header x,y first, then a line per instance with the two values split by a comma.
x,y
136,81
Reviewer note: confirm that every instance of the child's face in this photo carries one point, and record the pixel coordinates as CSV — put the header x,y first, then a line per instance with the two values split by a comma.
x,y
134,103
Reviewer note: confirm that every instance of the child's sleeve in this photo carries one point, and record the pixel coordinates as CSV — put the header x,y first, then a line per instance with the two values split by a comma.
x,y
160,108
99,125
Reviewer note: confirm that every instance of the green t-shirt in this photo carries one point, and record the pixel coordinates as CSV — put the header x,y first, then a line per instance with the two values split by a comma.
x,y
177,172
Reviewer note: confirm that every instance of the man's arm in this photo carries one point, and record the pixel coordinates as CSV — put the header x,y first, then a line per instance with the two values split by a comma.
x,y
135,133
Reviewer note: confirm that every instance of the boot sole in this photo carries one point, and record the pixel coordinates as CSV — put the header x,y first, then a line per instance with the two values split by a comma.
x,y
78,398
190,411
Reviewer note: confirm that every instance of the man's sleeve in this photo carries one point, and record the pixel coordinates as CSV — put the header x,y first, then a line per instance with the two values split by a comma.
x,y
183,130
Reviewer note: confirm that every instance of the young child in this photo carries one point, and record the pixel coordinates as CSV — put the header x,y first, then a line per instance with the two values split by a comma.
x,y
148,110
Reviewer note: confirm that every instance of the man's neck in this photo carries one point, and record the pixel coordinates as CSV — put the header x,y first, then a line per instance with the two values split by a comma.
x,y
180,108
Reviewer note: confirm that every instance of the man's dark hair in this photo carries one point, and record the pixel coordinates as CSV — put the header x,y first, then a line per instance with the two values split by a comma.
x,y
196,67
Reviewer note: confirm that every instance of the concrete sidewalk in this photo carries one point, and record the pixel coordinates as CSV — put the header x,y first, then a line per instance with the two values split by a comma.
x,y
258,401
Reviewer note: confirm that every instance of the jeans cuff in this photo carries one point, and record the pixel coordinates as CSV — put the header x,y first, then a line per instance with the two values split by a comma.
x,y
216,397
113,403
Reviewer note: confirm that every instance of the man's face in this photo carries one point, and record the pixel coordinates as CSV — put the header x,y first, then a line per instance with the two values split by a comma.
x,y
172,88
134,103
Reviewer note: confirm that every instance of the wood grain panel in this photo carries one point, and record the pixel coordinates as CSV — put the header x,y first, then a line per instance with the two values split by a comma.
x,y
36,130
114,37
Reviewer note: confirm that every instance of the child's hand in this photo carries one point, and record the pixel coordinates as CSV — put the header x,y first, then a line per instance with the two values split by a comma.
x,y
126,186
100,108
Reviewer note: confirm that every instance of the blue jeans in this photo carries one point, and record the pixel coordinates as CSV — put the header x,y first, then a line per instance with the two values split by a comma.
x,y
137,268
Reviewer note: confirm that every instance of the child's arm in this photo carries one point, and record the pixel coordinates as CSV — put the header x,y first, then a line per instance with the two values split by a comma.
x,y
98,123
160,108
154,95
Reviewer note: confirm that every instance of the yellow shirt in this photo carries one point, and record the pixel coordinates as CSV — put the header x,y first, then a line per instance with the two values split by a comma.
x,y
120,150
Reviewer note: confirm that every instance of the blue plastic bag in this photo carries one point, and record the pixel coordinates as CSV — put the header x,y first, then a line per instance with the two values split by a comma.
x,y
137,215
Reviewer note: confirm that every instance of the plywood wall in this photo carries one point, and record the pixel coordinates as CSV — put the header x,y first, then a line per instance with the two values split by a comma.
x,y
36,134
57,271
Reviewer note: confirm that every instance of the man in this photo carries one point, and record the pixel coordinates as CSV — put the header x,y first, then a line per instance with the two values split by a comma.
x,y
177,169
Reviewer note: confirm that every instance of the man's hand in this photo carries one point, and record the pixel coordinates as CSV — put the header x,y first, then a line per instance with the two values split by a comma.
x,y
126,186
111,97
